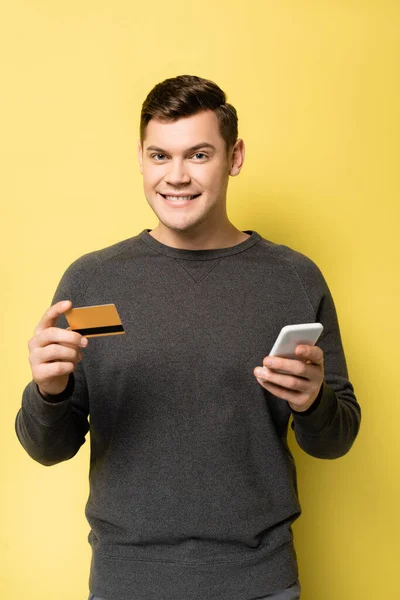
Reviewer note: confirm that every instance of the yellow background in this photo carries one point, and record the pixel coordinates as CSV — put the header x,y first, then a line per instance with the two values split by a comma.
x,y
316,88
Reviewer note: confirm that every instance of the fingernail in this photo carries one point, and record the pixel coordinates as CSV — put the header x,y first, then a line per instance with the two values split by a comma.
x,y
259,372
269,362
84,342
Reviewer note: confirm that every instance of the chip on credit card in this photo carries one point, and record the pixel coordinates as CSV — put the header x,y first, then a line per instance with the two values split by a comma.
x,y
98,320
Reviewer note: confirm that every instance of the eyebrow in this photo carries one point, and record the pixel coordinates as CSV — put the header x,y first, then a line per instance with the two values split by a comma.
x,y
192,149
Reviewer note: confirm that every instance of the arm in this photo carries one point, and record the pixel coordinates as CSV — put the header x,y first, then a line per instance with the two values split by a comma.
x,y
330,426
326,414
53,429
53,419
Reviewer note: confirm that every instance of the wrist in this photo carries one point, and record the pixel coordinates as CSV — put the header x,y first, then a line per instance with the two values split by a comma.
x,y
313,406
60,396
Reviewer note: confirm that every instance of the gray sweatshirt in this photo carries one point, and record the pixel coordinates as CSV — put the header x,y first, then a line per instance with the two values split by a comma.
x,y
193,488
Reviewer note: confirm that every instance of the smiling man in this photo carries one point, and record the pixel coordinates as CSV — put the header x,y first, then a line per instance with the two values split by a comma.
x,y
186,184
193,488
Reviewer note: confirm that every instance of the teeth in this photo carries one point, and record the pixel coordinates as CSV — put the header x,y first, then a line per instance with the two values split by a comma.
x,y
181,198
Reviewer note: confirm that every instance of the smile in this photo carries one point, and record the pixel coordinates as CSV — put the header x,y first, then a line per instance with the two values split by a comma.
x,y
173,198
178,201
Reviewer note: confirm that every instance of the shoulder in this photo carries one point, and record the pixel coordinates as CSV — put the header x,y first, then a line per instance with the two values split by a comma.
x,y
298,261
298,265
81,271
92,260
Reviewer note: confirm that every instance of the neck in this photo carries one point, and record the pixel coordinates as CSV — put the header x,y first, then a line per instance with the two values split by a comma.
x,y
207,240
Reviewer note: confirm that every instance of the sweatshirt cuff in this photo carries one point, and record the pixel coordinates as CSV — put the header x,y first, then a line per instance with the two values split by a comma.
x,y
48,413
314,405
320,414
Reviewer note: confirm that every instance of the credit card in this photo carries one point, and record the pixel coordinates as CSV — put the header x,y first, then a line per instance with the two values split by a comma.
x,y
91,321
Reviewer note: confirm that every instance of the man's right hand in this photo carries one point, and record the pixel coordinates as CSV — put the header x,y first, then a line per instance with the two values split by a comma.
x,y
54,352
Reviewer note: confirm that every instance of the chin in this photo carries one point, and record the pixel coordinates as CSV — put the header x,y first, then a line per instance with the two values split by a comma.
x,y
179,227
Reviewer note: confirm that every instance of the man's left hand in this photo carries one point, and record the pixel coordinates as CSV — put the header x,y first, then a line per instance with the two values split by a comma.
x,y
301,386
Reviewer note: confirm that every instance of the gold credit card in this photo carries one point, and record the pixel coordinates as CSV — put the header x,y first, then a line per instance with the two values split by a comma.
x,y
91,321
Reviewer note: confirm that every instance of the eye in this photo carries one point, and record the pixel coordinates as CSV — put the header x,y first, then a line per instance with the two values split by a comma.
x,y
154,155
201,153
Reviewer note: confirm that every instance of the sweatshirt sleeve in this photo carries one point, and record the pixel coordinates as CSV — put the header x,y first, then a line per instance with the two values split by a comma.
x,y
53,431
330,426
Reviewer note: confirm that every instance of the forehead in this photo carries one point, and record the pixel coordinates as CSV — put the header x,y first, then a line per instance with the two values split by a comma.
x,y
185,132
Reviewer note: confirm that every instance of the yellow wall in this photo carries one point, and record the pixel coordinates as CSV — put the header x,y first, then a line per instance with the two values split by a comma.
x,y
317,93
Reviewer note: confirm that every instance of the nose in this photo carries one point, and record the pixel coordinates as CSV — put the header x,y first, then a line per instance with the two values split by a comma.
x,y
177,174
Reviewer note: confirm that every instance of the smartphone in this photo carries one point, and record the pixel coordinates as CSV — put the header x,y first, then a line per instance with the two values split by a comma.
x,y
291,336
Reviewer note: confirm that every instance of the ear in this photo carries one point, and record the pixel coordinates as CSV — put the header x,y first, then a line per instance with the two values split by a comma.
x,y
237,158
140,157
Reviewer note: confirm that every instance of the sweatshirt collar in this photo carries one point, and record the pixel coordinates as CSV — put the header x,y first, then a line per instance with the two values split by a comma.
x,y
199,254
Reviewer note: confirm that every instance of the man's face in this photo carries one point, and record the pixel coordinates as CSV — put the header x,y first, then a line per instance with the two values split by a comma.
x,y
188,158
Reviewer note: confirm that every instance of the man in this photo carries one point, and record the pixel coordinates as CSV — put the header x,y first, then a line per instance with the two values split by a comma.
x,y
193,488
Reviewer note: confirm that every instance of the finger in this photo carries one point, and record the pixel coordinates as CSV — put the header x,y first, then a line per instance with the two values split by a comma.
x,y
47,371
51,315
291,366
282,392
312,353
288,382
56,335
55,353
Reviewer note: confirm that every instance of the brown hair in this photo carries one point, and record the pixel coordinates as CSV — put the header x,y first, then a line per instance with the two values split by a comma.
x,y
187,95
